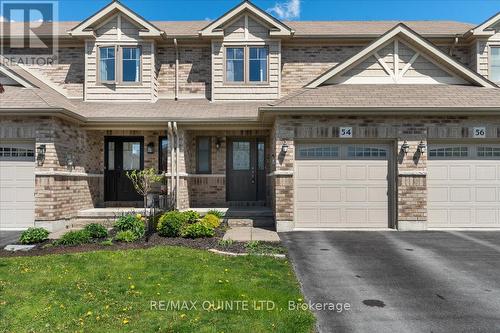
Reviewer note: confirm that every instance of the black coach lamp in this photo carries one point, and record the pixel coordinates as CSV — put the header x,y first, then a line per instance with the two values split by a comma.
x,y
40,153
422,147
284,147
405,147
150,148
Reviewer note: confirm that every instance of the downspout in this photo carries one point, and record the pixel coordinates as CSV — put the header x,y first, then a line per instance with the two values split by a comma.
x,y
177,180
176,93
171,146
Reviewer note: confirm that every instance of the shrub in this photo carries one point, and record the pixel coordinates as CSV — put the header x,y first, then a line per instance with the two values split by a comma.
x,y
226,242
72,238
133,223
197,230
107,242
211,220
96,230
33,236
127,236
191,216
216,212
171,223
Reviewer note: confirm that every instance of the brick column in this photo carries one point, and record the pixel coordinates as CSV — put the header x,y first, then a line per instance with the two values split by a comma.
x,y
283,166
412,186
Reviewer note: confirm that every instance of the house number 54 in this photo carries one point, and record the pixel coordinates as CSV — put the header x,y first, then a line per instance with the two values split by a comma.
x,y
345,132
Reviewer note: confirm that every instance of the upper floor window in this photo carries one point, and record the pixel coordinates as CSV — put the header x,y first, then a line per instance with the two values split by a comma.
x,y
246,64
107,64
235,66
129,68
131,64
495,64
258,64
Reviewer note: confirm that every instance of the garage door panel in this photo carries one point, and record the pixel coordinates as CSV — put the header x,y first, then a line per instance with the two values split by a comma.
x,y
356,194
330,217
331,172
308,215
377,216
438,194
330,194
460,172
486,172
461,194
473,188
355,172
356,216
486,194
377,194
377,172
308,172
307,194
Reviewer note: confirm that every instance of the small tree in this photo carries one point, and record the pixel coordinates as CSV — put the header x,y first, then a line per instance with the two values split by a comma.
x,y
143,181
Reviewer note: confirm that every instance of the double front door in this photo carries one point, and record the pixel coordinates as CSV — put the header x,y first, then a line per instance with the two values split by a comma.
x,y
122,155
246,175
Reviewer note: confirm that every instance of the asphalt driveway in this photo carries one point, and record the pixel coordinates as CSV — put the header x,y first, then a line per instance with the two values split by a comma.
x,y
400,281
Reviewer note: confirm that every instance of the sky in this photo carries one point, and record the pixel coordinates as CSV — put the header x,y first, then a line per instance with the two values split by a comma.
x,y
473,11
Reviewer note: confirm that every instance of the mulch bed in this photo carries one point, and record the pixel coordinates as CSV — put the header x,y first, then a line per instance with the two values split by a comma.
x,y
154,240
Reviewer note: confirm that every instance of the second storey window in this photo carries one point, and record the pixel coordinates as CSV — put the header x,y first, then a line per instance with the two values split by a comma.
x,y
495,64
131,64
235,64
107,64
258,64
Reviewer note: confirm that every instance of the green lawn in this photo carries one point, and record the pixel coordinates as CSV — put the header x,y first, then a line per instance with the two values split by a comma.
x,y
110,291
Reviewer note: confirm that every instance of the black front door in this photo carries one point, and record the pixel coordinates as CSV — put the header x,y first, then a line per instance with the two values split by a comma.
x,y
246,178
122,154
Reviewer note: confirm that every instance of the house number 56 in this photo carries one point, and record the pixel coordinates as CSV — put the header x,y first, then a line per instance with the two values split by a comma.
x,y
479,132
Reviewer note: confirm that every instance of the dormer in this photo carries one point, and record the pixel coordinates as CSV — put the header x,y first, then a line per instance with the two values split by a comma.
x,y
119,55
246,53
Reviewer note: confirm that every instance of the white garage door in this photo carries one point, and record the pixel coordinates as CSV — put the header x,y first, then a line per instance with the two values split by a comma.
x,y
341,186
464,186
17,185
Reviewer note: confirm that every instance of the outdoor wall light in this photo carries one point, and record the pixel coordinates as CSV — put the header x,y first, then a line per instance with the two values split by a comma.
x,y
284,147
217,143
422,147
405,147
40,153
150,148
70,161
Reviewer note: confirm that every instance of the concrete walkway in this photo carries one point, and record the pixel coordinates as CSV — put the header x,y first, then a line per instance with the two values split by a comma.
x,y
247,234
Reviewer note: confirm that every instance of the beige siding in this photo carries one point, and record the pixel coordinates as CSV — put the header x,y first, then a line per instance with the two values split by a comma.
x,y
109,30
256,30
99,92
235,30
128,30
230,91
368,68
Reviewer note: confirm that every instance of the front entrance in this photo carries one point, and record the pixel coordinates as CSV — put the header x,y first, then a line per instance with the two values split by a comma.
x,y
122,154
246,175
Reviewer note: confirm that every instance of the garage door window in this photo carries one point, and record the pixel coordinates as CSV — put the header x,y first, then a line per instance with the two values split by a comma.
x,y
488,151
16,153
449,152
322,151
361,151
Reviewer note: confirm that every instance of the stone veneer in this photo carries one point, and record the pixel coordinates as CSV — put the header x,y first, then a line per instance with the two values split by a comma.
x,y
411,168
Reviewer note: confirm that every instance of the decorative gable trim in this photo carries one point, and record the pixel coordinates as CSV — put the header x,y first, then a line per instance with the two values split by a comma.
x,y
402,30
215,28
484,29
87,28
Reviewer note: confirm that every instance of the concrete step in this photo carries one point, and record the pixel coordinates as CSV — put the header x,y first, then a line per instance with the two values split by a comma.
x,y
240,212
82,222
258,222
109,212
